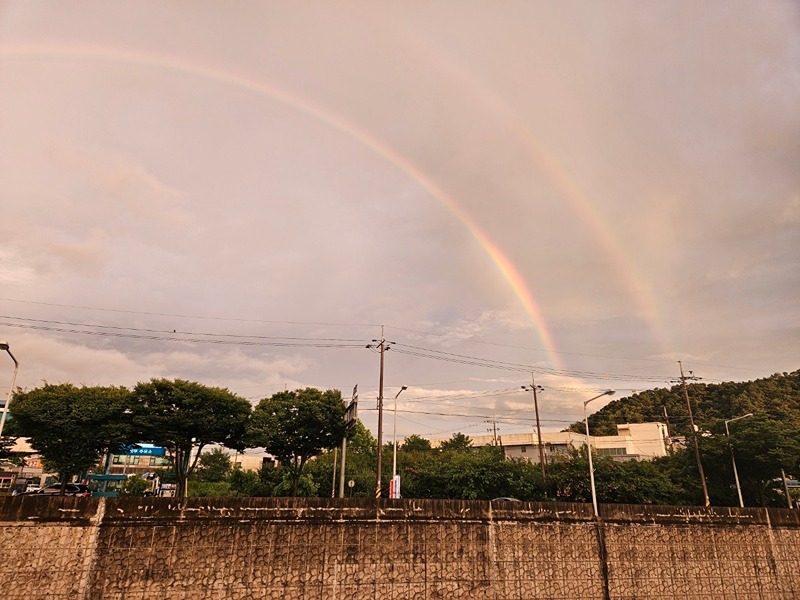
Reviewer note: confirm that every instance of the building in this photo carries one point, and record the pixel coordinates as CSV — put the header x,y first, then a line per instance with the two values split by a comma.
x,y
139,459
634,441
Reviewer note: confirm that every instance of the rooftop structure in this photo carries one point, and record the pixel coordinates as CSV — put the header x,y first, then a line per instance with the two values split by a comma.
x,y
634,441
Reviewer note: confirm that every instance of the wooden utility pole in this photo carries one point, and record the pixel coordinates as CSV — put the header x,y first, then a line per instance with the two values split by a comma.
x,y
382,347
542,460
694,432
493,430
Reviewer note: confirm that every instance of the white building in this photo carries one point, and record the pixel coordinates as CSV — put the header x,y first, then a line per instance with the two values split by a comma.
x,y
634,441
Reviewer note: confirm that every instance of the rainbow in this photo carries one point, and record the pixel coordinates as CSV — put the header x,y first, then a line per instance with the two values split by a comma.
x,y
228,77
581,205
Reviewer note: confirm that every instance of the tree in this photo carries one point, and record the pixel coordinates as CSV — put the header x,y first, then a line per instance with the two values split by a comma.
x,y
458,443
416,443
135,485
185,416
295,426
762,447
214,466
258,483
481,474
72,427
629,482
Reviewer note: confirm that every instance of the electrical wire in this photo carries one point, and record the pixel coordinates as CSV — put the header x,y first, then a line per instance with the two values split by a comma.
x,y
173,331
223,342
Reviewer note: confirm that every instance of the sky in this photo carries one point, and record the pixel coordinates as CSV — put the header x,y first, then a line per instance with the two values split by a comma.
x,y
248,195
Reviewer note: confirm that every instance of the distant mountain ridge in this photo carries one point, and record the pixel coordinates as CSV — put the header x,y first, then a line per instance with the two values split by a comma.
x,y
776,397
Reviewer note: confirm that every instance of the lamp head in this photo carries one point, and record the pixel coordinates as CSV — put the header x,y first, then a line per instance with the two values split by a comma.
x,y
4,345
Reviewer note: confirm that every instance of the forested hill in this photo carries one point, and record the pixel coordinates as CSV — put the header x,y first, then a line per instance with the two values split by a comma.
x,y
776,398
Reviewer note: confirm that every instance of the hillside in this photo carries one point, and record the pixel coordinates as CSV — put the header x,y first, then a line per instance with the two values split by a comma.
x,y
776,397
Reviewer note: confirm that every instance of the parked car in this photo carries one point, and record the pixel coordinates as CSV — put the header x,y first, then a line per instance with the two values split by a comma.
x,y
73,489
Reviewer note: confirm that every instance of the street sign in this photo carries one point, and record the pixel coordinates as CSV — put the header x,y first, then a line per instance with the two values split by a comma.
x,y
351,412
137,450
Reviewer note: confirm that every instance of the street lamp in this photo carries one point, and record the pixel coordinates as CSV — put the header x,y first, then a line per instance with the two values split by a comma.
x,y
733,458
394,454
4,346
589,448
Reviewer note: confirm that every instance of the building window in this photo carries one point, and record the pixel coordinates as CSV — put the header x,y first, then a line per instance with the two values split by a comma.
x,y
611,451
524,448
125,460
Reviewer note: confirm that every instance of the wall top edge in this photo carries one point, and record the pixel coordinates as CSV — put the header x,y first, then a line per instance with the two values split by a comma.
x,y
72,510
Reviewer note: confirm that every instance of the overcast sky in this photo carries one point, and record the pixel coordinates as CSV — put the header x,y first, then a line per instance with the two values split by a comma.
x,y
243,194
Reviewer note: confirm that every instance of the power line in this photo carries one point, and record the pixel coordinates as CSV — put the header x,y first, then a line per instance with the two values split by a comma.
x,y
182,339
527,368
519,367
207,318
564,352
174,331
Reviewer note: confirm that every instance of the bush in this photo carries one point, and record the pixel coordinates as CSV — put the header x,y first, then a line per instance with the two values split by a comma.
x,y
135,485
209,489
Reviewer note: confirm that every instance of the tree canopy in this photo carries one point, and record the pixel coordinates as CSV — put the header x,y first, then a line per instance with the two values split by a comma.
x,y
72,427
458,443
213,466
185,416
294,426
415,443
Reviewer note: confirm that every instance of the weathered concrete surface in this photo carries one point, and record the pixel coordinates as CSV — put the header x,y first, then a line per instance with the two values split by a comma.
x,y
392,549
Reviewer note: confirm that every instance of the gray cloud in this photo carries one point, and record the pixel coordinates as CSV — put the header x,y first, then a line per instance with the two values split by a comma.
x,y
637,165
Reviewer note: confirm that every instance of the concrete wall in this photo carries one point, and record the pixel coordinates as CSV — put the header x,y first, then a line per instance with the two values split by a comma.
x,y
316,548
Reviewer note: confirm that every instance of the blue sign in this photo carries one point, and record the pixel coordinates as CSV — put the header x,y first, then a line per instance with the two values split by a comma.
x,y
142,450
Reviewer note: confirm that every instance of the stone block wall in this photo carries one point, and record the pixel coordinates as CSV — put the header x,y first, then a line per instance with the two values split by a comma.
x,y
144,549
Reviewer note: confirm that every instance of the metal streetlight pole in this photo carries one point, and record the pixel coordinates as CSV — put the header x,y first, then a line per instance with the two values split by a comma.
x,y
733,458
5,346
394,454
589,448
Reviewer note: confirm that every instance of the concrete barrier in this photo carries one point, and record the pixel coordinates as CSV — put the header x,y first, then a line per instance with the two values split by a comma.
x,y
286,548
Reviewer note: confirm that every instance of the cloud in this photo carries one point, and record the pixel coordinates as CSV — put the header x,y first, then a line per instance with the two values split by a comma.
x,y
638,166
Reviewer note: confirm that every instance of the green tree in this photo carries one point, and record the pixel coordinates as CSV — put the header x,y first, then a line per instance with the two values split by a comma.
x,y
255,483
481,474
294,426
762,447
629,482
213,466
72,427
184,417
458,443
135,485
209,489
415,443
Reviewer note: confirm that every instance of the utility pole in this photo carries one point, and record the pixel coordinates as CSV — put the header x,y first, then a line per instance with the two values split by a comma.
x,y
694,431
534,388
333,482
382,347
786,489
492,430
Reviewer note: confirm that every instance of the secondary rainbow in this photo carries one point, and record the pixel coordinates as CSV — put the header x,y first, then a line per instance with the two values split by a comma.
x,y
581,205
